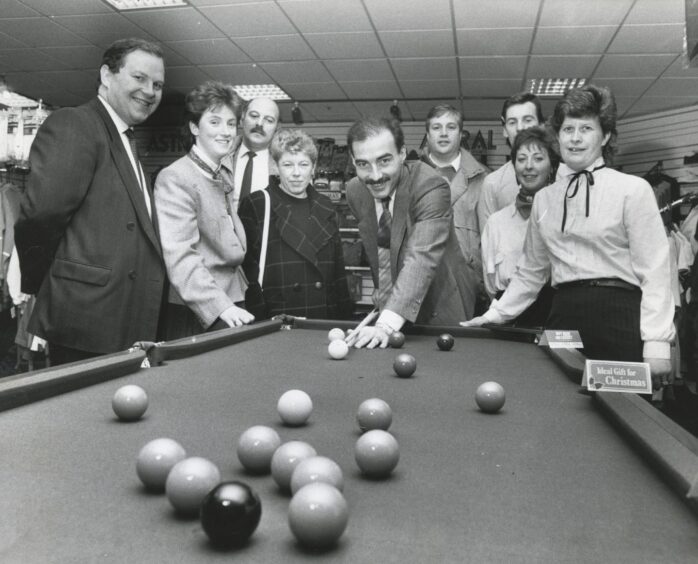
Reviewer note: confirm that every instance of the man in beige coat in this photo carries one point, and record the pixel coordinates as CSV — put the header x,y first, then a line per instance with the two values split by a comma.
x,y
465,175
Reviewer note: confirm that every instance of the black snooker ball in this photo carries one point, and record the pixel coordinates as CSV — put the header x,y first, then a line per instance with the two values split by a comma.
x,y
404,365
396,339
230,513
445,342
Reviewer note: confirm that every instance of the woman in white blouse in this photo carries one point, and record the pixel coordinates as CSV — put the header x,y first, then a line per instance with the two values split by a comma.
x,y
535,159
599,234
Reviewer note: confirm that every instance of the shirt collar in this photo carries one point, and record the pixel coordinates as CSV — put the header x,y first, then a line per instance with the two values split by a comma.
x,y
455,163
205,158
120,124
565,171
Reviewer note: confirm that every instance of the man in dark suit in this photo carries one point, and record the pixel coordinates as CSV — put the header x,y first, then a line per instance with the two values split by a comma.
x,y
86,237
251,159
405,223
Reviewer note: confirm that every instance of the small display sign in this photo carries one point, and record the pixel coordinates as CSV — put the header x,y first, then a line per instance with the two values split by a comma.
x,y
611,376
561,339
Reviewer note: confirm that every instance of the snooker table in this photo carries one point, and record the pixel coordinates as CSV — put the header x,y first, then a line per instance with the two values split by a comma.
x,y
557,476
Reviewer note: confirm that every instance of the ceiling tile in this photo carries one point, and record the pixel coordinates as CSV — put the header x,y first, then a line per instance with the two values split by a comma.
x,y
249,20
275,48
39,32
296,72
624,103
175,24
490,87
577,40
512,41
85,57
70,81
378,108
657,11
374,89
7,62
675,87
63,99
511,68
424,69
185,77
508,13
370,69
314,91
172,58
550,66
360,45
482,109
7,42
236,74
432,43
589,12
31,60
16,9
28,84
226,2
333,111
632,66
401,15
317,16
67,7
629,87
107,24
430,88
660,38
209,51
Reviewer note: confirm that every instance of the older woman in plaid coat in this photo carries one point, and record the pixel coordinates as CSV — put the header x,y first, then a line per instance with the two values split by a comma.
x,y
304,272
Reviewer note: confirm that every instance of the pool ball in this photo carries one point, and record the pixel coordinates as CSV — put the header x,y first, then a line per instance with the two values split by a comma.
x,y
230,513
317,469
377,453
130,402
285,460
335,334
256,446
490,397
155,460
338,349
374,413
318,515
445,342
294,407
188,483
404,365
396,339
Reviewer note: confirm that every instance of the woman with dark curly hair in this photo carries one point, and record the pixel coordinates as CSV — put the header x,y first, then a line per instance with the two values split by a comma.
x,y
599,234
203,241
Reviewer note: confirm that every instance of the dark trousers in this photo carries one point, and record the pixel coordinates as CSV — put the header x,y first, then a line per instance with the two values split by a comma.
x,y
181,322
63,355
608,320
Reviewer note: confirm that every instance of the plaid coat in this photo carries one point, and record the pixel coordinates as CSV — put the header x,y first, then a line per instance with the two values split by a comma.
x,y
304,273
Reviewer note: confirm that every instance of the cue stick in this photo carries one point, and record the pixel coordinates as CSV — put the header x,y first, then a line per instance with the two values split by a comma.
x,y
365,321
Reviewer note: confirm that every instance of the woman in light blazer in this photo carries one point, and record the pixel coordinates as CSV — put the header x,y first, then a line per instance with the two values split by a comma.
x,y
202,238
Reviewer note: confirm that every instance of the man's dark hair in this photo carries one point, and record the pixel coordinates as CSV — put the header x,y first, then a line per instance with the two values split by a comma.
x,y
372,126
522,98
116,53
443,109
542,138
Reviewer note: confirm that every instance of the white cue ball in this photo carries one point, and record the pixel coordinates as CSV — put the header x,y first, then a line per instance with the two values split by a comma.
x,y
338,349
335,334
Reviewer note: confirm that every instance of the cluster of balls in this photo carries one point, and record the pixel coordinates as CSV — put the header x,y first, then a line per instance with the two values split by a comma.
x,y
230,511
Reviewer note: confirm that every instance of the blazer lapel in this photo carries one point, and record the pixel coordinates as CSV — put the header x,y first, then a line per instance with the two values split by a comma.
x,y
368,227
401,211
128,176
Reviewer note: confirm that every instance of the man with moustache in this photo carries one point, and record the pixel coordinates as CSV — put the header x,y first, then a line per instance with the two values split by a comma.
x,y
86,234
253,165
465,176
500,187
405,224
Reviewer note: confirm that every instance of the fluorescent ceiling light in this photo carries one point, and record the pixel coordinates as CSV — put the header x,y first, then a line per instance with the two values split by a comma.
x,y
554,86
144,4
250,91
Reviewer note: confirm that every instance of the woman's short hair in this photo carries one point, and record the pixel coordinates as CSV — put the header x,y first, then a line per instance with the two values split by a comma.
x,y
206,96
590,101
541,137
292,141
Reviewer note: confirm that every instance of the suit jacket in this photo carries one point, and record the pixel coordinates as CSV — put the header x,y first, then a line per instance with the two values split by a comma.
x,y
203,240
431,282
86,244
466,188
304,273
